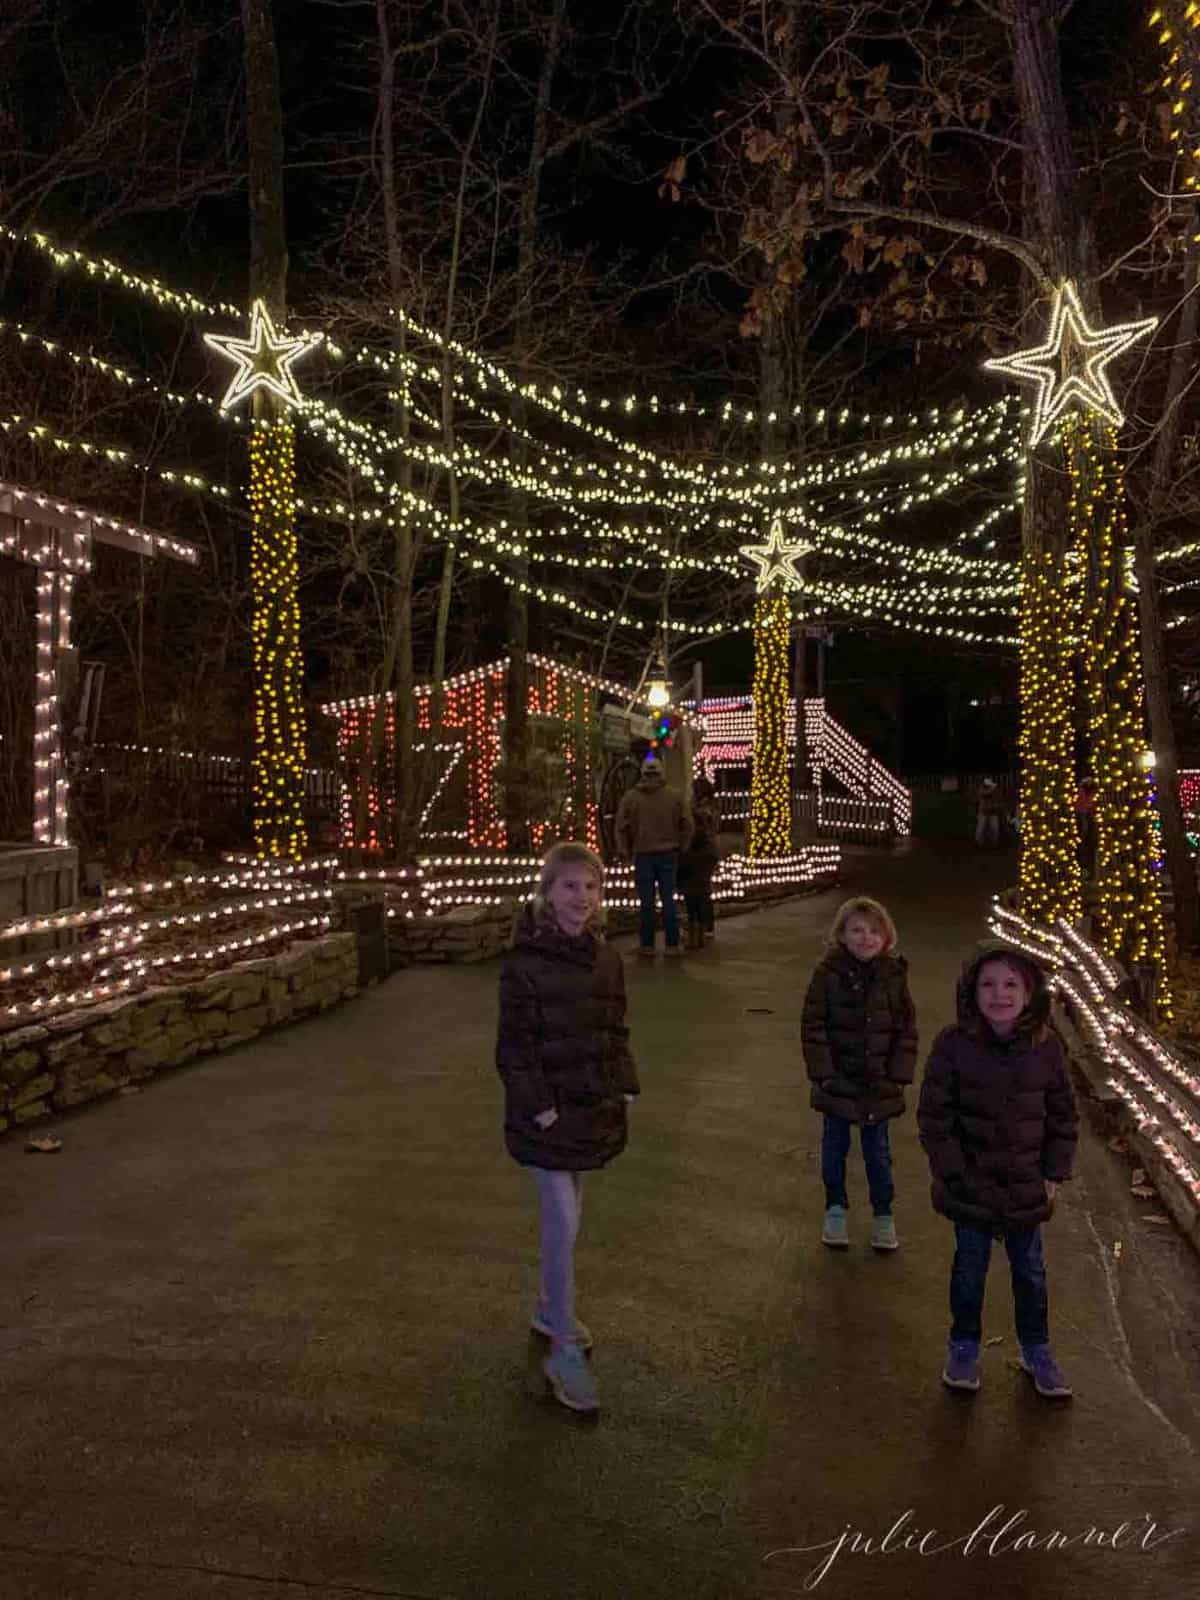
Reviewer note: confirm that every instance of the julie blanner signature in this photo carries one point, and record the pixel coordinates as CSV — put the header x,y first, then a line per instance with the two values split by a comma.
x,y
1001,1532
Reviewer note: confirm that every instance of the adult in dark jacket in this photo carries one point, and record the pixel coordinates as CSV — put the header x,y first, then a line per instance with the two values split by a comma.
x,y
859,1037
698,863
998,1123
562,1051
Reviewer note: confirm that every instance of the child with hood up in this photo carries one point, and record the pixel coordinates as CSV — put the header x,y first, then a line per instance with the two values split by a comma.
x,y
998,1123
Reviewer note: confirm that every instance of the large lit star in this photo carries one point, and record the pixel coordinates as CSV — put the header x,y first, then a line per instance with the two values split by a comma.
x,y
264,360
1071,364
775,560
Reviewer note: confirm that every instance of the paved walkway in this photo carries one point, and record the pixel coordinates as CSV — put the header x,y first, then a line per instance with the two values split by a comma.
x,y
261,1326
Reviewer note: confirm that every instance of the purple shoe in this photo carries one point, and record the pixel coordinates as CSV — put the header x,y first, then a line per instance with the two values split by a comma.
x,y
962,1365
1048,1379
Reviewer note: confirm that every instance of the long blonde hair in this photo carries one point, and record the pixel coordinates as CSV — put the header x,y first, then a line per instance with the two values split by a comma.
x,y
862,906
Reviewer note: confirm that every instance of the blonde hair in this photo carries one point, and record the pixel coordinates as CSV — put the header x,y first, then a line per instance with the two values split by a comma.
x,y
861,906
558,859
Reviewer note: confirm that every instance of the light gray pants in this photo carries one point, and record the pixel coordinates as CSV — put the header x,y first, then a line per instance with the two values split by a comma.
x,y
561,1197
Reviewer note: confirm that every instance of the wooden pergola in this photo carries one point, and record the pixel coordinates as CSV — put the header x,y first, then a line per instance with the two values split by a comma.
x,y
57,537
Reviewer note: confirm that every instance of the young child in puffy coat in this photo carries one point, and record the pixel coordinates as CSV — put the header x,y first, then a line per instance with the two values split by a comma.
x,y
859,1035
562,1051
998,1122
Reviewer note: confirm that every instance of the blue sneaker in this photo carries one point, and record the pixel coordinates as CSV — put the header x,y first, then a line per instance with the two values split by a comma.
x,y
834,1231
962,1365
1038,1361
570,1377
583,1334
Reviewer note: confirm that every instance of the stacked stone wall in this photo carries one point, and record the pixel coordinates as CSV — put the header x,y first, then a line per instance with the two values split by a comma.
x,y
84,1055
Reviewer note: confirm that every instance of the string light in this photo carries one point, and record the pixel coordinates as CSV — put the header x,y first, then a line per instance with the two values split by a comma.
x,y
1140,1063
1071,365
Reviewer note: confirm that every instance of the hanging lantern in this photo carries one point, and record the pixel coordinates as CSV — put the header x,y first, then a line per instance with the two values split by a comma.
x,y
658,695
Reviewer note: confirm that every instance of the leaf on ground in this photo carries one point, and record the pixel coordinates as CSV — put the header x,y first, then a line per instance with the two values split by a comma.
x,y
1156,1216
44,1144
1143,1191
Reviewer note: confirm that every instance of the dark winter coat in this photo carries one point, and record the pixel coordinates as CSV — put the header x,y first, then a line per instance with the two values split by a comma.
x,y
859,1034
699,861
997,1116
562,1044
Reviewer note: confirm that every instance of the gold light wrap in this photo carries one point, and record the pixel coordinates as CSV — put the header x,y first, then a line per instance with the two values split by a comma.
x,y
1050,877
770,803
1130,920
279,731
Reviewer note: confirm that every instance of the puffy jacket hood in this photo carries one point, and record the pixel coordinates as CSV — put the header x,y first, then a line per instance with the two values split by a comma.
x,y
1035,1015
652,778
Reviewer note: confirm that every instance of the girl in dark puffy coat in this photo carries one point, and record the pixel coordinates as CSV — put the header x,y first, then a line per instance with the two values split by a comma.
x,y
998,1122
859,1035
562,1051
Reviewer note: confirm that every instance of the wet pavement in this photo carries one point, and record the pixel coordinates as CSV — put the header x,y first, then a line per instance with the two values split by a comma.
x,y
262,1326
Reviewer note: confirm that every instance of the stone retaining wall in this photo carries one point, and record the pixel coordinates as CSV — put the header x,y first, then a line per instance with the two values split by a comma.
x,y
83,1055
480,932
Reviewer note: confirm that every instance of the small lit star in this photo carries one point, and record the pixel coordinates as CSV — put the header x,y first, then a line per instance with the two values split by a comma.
x,y
264,360
1071,364
775,560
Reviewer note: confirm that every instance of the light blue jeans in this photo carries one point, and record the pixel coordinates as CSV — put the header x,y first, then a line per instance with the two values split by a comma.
x,y
561,1197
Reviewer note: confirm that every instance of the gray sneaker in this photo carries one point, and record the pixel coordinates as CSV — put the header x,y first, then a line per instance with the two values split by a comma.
x,y
835,1232
570,1377
883,1234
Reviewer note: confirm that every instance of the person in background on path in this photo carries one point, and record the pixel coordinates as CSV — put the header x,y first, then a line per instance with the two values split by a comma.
x,y
698,863
859,1035
1085,823
562,1051
989,815
652,827
997,1120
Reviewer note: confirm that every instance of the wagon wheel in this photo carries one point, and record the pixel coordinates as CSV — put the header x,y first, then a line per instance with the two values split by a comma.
x,y
621,776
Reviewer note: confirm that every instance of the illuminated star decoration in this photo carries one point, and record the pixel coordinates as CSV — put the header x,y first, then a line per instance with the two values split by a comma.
x,y
264,360
1071,364
775,560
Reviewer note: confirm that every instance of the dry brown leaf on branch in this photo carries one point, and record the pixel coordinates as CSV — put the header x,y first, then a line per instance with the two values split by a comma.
x,y
44,1144
1143,1191
1138,1175
1118,1144
1156,1216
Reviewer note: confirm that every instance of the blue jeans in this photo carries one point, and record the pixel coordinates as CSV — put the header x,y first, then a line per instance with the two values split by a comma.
x,y
561,1203
650,870
877,1158
968,1276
